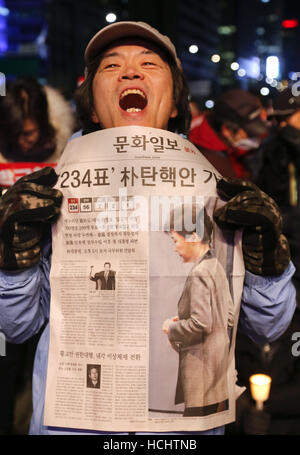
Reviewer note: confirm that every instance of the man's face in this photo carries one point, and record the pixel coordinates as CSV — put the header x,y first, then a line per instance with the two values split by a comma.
x,y
133,86
106,267
94,374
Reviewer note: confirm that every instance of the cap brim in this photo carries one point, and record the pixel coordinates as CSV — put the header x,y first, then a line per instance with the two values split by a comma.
x,y
281,113
255,128
125,29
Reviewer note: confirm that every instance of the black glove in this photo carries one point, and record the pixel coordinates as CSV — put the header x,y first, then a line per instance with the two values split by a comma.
x,y
265,248
256,422
26,209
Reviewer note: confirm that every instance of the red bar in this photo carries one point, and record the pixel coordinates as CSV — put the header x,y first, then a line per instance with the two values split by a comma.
x,y
290,23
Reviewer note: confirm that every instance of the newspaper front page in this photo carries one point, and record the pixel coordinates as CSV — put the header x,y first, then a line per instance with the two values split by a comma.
x,y
145,289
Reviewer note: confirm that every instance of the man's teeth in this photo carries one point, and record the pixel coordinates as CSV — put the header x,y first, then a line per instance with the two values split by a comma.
x,y
132,90
133,100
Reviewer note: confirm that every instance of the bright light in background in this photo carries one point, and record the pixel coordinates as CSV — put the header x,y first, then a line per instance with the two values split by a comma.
x,y
241,72
272,67
193,49
3,31
290,23
4,11
284,84
293,76
226,29
280,86
265,1
2,84
234,66
215,58
269,80
264,91
260,31
251,66
110,17
209,104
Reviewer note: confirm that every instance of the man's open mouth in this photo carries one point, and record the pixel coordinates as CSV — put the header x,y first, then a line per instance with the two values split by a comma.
x,y
133,100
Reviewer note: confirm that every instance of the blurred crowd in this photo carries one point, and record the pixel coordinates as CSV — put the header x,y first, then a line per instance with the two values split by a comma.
x,y
242,139
35,124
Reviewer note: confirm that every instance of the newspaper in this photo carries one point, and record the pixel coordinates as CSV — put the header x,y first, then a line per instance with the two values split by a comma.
x,y
142,333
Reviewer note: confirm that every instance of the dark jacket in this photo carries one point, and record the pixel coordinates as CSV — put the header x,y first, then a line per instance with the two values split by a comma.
x,y
102,283
279,178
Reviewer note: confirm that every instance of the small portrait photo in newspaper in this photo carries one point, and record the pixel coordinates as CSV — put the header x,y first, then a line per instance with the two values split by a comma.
x,y
105,279
93,376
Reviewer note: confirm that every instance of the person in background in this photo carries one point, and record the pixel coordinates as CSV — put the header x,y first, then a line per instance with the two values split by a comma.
x,y
196,112
233,129
35,122
133,77
279,175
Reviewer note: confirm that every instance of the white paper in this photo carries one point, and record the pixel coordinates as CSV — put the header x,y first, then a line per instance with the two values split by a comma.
x,y
118,186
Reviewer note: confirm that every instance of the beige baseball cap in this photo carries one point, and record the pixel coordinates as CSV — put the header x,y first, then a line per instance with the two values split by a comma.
x,y
125,29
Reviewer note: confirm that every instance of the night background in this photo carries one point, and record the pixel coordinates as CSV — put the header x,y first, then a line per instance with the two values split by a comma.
x,y
221,43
